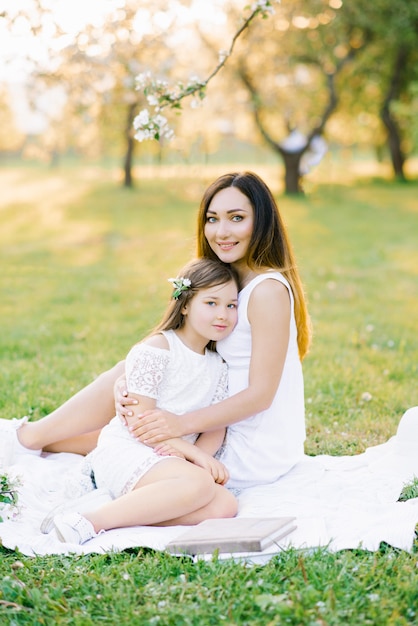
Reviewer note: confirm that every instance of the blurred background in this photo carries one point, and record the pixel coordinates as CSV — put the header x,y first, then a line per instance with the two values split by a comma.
x,y
320,82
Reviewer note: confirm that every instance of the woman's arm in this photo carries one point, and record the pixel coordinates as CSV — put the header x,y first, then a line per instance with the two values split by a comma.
x,y
269,316
124,401
211,441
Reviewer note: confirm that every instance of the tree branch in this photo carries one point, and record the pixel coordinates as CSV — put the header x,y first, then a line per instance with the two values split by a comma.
x,y
159,95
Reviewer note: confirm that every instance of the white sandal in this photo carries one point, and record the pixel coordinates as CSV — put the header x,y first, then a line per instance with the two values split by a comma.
x,y
10,446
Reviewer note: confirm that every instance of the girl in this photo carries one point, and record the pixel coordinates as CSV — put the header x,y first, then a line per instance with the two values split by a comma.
x,y
238,223
176,368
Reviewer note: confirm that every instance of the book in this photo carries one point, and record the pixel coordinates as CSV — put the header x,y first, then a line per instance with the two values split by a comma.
x,y
231,535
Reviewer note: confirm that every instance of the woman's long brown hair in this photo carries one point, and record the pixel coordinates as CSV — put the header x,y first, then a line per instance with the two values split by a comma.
x,y
270,245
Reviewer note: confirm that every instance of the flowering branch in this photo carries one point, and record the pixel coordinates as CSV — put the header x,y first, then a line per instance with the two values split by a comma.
x,y
160,96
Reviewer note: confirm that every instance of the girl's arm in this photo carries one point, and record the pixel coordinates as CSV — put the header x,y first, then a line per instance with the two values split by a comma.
x,y
142,403
269,316
200,453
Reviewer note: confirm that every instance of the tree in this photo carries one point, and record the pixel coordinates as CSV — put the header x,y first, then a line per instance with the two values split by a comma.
x,y
321,58
292,72
97,68
391,60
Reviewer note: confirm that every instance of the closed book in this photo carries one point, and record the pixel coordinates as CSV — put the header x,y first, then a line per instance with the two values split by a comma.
x,y
238,534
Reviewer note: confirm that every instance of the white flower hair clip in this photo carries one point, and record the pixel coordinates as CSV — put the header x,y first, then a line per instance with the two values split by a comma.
x,y
180,284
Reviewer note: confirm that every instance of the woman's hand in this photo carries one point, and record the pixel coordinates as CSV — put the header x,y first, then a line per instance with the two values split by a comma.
x,y
123,401
155,426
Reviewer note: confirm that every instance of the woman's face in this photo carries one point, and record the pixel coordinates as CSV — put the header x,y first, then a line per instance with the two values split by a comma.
x,y
229,225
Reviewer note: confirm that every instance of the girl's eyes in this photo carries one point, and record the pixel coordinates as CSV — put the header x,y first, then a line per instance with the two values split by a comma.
x,y
213,303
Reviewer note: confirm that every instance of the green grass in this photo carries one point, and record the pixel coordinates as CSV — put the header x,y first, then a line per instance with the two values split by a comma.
x,y
138,587
84,268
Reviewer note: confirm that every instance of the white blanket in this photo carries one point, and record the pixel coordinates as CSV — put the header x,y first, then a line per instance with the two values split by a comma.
x,y
339,502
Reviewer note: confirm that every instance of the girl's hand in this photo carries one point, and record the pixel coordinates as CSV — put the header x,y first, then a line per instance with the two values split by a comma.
x,y
168,449
155,426
123,401
206,461
217,469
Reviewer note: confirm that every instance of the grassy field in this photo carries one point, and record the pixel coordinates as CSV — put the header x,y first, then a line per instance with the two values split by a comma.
x,y
84,268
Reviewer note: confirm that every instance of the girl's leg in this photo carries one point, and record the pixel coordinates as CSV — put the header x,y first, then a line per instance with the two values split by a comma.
x,y
74,426
224,504
172,492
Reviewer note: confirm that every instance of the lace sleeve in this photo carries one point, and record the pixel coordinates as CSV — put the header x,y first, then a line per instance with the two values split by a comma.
x,y
221,391
145,367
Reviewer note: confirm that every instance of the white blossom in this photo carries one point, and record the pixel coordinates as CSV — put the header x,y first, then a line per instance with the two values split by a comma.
x,y
195,81
263,5
149,126
160,121
152,100
142,80
142,119
143,135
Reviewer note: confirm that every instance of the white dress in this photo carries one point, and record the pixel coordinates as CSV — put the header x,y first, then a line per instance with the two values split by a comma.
x,y
181,380
265,446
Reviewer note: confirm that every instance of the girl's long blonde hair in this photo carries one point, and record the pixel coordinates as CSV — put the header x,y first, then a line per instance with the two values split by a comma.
x,y
269,246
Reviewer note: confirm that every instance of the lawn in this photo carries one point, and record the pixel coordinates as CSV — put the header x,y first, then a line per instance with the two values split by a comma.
x,y
84,268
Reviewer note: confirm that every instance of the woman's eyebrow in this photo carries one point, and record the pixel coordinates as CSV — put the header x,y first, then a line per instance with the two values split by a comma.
x,y
228,211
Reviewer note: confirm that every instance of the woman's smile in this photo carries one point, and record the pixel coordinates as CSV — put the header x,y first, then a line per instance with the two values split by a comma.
x,y
226,245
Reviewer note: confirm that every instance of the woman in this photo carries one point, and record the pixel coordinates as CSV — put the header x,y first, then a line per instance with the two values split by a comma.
x,y
239,223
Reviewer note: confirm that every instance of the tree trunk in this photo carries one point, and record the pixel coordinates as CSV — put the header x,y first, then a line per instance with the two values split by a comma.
x,y
130,148
394,136
394,143
292,177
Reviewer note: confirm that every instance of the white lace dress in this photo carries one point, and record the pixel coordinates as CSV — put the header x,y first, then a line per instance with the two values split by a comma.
x,y
180,380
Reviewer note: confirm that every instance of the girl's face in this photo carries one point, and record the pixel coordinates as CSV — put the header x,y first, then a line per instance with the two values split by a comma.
x,y
210,315
229,225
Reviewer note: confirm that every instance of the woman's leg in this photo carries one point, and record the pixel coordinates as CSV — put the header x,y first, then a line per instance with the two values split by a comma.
x,y
172,492
82,444
74,426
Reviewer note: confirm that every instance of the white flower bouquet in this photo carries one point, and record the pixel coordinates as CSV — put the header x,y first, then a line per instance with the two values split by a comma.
x,y
9,496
